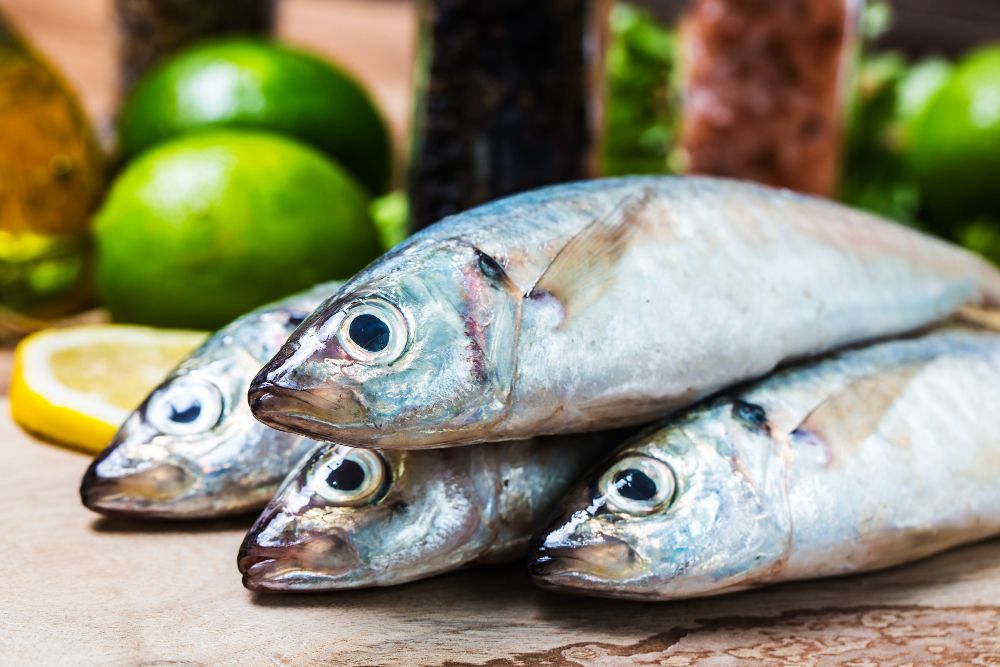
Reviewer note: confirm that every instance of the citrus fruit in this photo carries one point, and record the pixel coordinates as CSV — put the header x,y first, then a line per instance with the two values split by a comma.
x,y
955,150
77,385
247,83
51,179
391,214
206,227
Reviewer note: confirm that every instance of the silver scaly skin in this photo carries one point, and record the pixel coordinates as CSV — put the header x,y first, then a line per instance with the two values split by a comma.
x,y
600,304
351,518
192,449
863,460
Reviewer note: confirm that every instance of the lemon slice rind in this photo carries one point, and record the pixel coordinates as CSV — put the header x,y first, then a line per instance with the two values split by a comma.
x,y
74,415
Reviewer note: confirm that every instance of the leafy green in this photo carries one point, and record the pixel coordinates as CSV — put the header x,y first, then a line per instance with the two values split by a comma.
x,y
890,94
982,236
640,105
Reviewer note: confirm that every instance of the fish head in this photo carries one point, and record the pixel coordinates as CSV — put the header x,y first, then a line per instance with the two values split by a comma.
x,y
192,448
351,517
692,509
420,353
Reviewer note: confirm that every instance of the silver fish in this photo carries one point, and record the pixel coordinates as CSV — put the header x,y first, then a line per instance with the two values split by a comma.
x,y
867,459
350,518
600,304
192,449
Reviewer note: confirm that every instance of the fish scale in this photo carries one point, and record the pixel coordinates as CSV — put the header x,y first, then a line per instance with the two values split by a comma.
x,y
866,459
426,512
619,300
157,467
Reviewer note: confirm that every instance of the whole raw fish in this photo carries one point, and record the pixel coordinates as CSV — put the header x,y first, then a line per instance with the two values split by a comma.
x,y
192,449
349,517
599,304
867,459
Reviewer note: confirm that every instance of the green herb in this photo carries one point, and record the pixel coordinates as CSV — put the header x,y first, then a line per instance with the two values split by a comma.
x,y
641,108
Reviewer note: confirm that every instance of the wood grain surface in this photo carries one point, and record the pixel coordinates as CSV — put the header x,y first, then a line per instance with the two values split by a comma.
x,y
82,590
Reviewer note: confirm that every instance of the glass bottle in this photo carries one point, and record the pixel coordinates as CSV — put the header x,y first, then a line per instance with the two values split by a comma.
x,y
765,89
502,98
52,175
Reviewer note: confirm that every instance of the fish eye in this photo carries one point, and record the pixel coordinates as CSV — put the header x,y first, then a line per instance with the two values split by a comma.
x,y
350,477
186,406
369,332
373,330
638,485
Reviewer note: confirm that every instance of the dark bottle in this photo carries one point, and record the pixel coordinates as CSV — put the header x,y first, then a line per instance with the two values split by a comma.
x,y
502,99
153,29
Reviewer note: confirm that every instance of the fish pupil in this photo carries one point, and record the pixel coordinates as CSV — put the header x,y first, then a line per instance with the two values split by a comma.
x,y
348,476
369,332
184,412
634,485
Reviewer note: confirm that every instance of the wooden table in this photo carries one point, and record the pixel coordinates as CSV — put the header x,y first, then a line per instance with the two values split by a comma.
x,y
82,590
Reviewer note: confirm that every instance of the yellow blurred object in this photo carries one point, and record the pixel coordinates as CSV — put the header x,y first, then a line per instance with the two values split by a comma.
x,y
52,175
77,385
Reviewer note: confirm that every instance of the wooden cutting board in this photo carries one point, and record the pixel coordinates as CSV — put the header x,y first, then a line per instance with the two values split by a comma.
x,y
82,590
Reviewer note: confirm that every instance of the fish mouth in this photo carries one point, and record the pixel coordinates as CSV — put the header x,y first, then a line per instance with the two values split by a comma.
x,y
313,562
148,492
317,413
334,414
598,566
272,575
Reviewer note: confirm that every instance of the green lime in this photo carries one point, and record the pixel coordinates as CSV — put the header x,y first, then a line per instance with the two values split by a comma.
x,y
391,214
918,85
254,84
955,150
201,229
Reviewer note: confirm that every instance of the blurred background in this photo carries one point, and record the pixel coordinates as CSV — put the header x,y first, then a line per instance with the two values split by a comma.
x,y
177,163
373,38
376,39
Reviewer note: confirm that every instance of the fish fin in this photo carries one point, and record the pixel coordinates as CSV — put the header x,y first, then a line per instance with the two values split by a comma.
x,y
580,270
986,318
847,418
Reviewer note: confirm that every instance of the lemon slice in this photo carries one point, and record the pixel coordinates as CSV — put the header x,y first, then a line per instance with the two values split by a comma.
x,y
77,385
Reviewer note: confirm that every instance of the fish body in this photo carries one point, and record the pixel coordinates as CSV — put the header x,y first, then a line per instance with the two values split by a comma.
x,y
192,449
351,517
869,458
600,304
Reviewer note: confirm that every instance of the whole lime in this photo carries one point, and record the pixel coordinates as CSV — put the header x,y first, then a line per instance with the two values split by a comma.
x,y
255,84
206,227
955,150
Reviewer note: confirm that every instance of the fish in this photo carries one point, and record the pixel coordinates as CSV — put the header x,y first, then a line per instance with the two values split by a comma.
x,y
192,449
352,517
600,304
863,460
